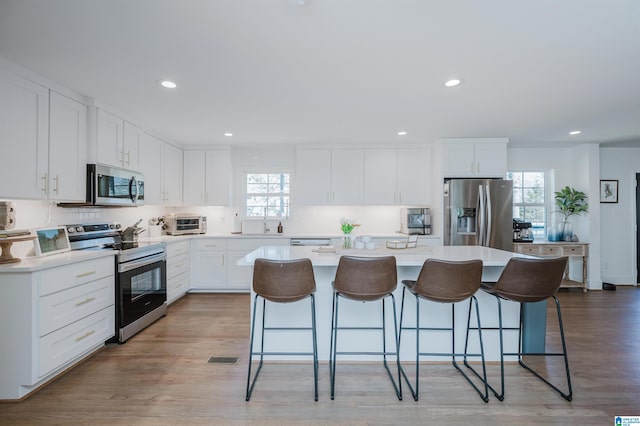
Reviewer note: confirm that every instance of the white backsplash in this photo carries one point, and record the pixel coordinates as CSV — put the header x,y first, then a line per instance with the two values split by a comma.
x,y
304,219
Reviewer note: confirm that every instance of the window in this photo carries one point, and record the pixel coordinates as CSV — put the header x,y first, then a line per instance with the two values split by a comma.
x,y
529,199
267,194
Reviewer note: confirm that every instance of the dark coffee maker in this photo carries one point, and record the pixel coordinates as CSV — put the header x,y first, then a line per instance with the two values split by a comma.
x,y
522,232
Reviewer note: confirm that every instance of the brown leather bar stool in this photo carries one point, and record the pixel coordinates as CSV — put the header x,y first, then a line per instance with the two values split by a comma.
x,y
365,279
282,281
526,280
446,282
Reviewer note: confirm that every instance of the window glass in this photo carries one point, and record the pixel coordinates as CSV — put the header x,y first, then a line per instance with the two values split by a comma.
x,y
529,199
267,195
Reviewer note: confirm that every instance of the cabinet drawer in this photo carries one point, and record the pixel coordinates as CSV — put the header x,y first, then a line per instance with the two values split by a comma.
x,y
177,265
175,249
578,250
57,279
551,250
528,249
177,286
62,308
209,244
66,344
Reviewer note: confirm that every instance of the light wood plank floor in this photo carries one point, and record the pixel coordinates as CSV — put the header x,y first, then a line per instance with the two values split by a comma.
x,y
161,376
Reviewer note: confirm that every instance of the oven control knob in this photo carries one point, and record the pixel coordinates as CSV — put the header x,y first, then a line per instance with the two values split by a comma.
x,y
117,226
79,228
71,229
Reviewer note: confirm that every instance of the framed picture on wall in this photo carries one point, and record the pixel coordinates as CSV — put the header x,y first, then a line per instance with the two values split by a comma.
x,y
608,191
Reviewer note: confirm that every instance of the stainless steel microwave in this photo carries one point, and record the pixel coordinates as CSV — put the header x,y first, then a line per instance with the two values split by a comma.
x,y
112,187
181,224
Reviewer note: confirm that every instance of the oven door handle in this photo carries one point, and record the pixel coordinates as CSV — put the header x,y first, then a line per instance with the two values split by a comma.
x,y
124,267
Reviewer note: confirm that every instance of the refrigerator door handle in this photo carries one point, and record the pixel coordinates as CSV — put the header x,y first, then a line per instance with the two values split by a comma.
x,y
489,218
480,221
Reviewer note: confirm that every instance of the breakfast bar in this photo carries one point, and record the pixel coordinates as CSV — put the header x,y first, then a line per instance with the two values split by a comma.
x,y
409,262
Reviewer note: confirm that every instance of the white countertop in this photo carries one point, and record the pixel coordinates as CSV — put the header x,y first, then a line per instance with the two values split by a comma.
x,y
404,257
33,264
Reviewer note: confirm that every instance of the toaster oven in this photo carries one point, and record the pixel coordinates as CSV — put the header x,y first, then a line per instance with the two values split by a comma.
x,y
181,224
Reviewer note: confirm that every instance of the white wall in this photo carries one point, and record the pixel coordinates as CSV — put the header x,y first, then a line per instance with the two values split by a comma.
x,y
617,229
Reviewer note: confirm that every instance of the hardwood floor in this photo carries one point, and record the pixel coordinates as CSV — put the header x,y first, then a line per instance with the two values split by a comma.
x,y
161,376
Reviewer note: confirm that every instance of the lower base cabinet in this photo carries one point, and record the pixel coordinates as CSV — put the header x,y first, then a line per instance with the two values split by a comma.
x,y
52,319
178,266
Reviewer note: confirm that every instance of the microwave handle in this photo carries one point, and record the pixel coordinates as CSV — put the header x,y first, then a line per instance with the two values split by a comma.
x,y
133,183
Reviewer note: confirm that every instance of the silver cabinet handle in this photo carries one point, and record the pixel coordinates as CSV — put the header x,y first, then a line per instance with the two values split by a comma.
x,y
44,183
56,185
84,274
85,301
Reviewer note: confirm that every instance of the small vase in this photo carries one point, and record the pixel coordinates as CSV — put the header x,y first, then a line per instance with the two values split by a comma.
x,y
565,230
346,241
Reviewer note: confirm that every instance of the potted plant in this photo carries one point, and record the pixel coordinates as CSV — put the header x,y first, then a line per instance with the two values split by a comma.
x,y
570,202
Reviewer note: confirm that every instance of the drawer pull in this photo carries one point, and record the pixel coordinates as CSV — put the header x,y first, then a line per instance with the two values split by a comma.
x,y
85,335
179,285
211,245
85,301
179,265
85,274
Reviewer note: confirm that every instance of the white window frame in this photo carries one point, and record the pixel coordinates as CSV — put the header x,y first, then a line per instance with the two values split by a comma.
x,y
548,199
267,170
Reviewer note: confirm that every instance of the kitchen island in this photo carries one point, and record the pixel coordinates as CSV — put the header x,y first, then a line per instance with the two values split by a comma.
x,y
409,262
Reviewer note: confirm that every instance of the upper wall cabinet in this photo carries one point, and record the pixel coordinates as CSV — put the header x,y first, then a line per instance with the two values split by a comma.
x,y
161,165
329,177
67,149
474,157
397,176
207,177
172,195
24,123
118,141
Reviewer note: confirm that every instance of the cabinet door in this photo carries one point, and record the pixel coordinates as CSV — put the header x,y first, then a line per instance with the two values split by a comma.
x,y
238,277
458,160
172,175
109,135
194,166
208,269
414,176
218,178
347,176
313,177
491,159
24,122
132,140
67,149
151,166
380,177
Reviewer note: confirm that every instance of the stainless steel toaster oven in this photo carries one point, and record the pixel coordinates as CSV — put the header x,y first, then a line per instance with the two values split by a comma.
x,y
181,224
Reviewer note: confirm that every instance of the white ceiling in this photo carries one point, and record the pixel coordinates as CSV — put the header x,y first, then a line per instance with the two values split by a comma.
x,y
344,71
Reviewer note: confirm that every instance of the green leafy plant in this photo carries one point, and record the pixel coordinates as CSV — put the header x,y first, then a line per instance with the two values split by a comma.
x,y
571,202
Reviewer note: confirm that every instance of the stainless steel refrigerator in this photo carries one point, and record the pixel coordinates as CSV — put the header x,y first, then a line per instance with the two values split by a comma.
x,y
478,212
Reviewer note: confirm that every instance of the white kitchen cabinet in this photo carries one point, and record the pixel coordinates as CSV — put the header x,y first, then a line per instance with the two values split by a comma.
x,y
172,175
474,157
118,141
66,179
329,177
313,177
239,278
24,129
208,264
178,266
397,176
53,318
207,177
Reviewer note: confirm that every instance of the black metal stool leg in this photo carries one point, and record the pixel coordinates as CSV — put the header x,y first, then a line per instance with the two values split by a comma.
x,y
315,345
251,384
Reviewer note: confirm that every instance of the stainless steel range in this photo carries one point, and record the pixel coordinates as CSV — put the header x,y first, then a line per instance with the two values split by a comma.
x,y
141,274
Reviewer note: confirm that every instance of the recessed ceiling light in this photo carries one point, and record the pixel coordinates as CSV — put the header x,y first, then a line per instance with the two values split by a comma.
x,y
168,84
575,132
451,83
228,134
402,133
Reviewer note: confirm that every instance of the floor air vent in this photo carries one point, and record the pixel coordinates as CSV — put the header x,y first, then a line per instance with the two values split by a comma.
x,y
222,360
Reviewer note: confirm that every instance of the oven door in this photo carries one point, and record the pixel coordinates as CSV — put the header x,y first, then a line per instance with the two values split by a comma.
x,y
142,287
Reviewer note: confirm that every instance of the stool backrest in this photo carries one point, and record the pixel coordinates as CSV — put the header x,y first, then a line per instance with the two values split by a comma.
x,y
449,281
530,280
283,280
366,278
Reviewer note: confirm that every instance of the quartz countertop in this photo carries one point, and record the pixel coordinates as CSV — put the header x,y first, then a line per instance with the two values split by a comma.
x,y
404,257
33,264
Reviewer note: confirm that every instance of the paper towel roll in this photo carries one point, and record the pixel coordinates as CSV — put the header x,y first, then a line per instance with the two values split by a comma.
x,y
237,225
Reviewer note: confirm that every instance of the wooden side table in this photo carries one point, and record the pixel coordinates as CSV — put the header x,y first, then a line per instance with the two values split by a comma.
x,y
555,249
